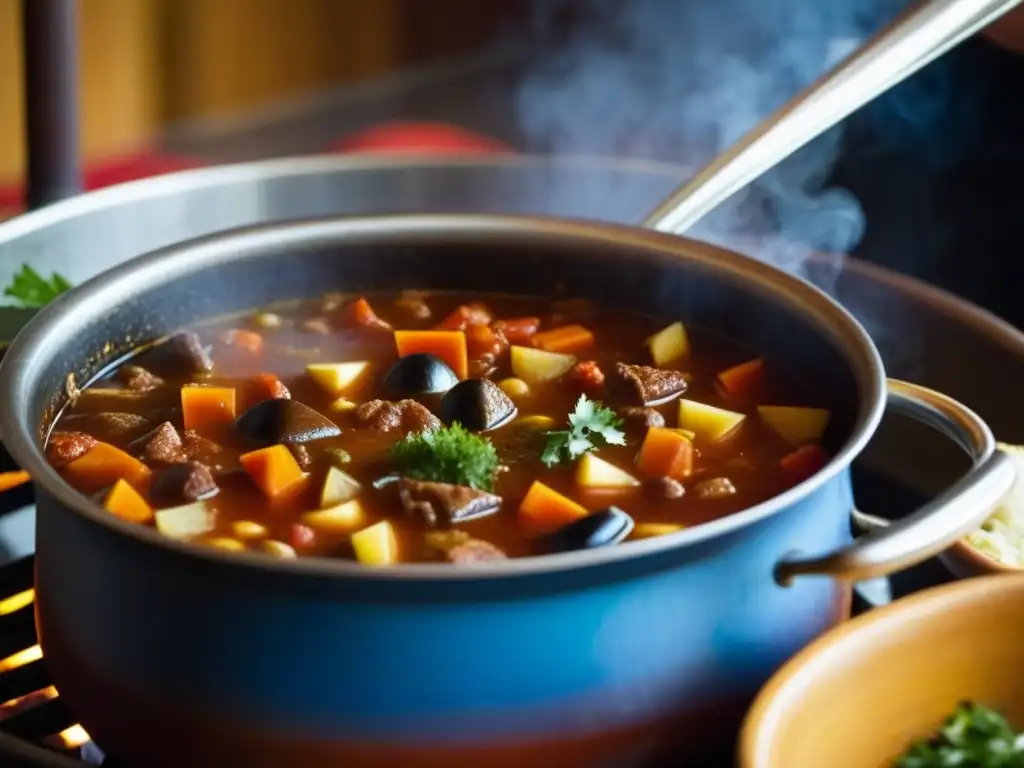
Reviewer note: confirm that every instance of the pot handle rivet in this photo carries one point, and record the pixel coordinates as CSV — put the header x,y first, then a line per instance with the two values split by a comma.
x,y
940,523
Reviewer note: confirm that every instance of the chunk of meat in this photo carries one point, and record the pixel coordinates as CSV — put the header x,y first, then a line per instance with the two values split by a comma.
x,y
405,415
715,488
115,425
138,379
163,445
640,416
665,488
649,385
587,375
220,460
413,304
475,551
183,483
65,447
121,424
445,503
460,548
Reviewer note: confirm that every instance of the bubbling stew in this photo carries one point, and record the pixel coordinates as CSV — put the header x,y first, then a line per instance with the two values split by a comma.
x,y
436,427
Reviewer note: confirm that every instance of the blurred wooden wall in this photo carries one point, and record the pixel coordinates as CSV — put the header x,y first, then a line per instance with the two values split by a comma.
x,y
146,63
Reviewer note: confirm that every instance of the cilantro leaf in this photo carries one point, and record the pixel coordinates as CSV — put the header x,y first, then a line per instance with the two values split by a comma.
x,y
591,426
30,289
448,455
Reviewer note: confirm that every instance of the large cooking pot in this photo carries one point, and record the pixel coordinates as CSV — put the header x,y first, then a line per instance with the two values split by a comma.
x,y
174,655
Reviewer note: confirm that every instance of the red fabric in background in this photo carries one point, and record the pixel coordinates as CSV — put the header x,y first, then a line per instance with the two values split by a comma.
x,y
423,137
418,137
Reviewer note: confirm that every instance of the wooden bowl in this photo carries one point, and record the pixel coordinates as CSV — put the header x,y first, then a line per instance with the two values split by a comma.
x,y
860,695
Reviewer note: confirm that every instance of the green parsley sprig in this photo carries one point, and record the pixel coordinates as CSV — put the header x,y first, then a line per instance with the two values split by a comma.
x,y
448,455
591,425
973,737
31,290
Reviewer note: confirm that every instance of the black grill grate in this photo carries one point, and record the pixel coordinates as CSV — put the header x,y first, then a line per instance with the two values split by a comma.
x,y
36,729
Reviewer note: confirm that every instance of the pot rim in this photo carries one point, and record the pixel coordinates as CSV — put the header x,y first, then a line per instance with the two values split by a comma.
x,y
21,365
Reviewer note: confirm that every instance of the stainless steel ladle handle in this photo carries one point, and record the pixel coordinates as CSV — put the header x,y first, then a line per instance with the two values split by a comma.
x,y
918,36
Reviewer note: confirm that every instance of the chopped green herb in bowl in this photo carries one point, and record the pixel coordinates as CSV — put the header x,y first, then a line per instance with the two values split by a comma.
x,y
974,736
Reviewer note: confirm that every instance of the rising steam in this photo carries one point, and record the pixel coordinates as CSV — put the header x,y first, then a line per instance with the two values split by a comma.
x,y
681,80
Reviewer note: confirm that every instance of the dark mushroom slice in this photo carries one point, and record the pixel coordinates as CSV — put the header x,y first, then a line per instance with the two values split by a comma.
x,y
284,421
177,353
420,374
648,385
182,484
598,529
444,503
478,405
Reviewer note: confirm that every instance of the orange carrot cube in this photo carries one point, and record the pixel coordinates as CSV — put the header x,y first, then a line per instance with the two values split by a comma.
x,y
544,509
102,466
743,380
565,339
125,502
273,469
449,346
665,453
206,407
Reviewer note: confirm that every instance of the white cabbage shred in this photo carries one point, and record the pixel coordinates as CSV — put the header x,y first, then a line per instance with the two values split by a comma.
x,y
1002,535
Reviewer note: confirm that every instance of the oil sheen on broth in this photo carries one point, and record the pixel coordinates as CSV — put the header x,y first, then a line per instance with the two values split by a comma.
x,y
436,427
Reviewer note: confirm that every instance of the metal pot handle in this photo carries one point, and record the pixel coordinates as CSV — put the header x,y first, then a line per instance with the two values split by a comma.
x,y
938,524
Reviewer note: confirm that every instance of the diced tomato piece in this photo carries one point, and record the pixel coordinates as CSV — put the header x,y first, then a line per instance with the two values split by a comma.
x,y
482,341
743,380
588,375
267,386
359,312
464,316
302,536
518,330
803,463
